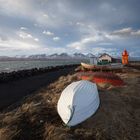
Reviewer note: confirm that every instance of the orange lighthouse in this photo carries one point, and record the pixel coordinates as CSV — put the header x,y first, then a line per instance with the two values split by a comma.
x,y
125,57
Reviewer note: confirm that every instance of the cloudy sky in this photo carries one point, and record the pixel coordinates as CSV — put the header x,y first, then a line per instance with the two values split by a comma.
x,y
56,26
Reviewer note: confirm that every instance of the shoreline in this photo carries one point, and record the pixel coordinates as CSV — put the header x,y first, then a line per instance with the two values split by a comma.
x,y
36,116
19,74
16,85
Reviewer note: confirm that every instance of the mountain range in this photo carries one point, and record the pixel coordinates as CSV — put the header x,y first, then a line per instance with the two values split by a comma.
x,y
52,56
56,56
63,56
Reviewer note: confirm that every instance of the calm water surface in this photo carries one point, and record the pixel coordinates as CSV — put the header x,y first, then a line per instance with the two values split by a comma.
x,y
8,66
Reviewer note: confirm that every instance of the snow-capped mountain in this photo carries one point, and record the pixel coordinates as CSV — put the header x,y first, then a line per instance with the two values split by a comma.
x,y
59,56
21,56
79,55
64,55
53,56
37,56
90,55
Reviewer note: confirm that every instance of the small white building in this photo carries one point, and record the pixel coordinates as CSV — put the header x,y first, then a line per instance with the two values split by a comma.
x,y
93,60
105,58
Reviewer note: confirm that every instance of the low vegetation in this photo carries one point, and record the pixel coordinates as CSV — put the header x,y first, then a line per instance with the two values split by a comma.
x,y
36,118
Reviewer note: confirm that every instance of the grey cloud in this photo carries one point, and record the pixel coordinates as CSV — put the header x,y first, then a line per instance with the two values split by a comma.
x,y
23,28
48,33
56,38
3,38
88,23
126,32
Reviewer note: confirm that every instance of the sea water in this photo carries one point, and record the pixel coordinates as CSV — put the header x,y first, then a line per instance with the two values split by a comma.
x,y
9,66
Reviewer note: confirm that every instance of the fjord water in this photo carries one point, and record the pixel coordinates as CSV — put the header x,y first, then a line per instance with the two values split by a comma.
x,y
9,66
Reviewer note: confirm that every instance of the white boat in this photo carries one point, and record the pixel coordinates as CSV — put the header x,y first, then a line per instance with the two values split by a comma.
x,y
78,101
112,66
88,66
92,66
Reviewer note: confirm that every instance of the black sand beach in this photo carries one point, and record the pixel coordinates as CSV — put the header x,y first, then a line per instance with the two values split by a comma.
x,y
16,88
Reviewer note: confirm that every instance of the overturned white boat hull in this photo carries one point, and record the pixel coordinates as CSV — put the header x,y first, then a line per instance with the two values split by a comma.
x,y
78,101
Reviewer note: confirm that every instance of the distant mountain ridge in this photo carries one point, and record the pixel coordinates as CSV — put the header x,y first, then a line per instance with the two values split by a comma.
x,y
45,56
64,56
56,56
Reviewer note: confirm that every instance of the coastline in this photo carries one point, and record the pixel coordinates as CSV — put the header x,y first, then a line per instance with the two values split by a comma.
x,y
36,116
16,85
19,74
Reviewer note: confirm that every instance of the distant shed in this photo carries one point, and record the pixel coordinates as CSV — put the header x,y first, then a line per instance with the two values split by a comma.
x,y
93,60
105,58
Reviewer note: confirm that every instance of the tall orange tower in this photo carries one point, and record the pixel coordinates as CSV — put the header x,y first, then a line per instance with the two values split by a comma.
x,y
125,57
